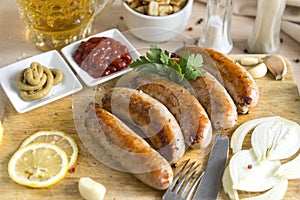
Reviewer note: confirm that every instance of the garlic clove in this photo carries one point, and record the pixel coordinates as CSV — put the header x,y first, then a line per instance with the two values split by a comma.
x,y
258,71
90,189
247,61
276,65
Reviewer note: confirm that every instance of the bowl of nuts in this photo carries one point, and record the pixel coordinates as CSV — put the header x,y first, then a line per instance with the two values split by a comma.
x,y
156,20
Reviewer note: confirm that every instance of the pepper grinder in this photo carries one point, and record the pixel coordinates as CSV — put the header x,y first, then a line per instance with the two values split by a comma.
x,y
216,34
265,36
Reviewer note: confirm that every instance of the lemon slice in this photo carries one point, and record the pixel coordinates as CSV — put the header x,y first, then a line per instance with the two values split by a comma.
x,y
38,165
58,138
1,131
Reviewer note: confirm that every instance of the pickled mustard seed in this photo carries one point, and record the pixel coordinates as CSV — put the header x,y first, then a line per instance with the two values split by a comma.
x,y
297,60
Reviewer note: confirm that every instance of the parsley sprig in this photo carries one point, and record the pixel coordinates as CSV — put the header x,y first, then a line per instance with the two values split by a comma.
x,y
159,62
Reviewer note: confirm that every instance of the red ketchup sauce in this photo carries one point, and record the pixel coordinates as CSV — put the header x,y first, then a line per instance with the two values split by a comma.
x,y
102,56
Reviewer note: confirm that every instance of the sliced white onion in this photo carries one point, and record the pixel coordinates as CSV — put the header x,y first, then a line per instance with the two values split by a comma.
x,y
275,139
260,141
259,169
289,170
276,193
248,174
227,185
240,133
287,146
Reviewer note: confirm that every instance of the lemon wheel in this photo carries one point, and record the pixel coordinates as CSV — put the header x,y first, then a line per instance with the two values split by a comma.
x,y
58,138
38,165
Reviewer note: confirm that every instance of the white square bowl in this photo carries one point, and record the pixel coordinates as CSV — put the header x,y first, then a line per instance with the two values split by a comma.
x,y
84,76
51,59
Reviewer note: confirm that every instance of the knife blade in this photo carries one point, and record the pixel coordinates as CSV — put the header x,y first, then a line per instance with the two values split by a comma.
x,y
210,185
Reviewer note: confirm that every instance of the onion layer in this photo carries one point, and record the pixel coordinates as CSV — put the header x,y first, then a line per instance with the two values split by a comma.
x,y
259,168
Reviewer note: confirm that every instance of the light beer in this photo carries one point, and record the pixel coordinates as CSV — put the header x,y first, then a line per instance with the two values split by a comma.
x,y
52,24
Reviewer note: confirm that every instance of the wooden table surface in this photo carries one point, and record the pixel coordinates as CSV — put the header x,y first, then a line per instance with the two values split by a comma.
x,y
58,115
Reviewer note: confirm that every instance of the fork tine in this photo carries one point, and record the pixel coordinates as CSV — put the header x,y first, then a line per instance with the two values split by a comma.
x,y
190,191
183,189
171,187
169,194
178,187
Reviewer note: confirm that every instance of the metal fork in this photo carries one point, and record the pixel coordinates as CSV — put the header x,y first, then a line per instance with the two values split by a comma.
x,y
178,188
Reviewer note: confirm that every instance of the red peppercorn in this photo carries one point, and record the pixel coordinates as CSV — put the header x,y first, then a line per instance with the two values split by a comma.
x,y
72,170
250,166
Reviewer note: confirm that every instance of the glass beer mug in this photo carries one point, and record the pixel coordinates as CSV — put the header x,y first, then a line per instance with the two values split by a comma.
x,y
52,24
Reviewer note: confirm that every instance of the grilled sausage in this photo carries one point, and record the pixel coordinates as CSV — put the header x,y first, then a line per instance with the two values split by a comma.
x,y
238,82
130,151
216,101
149,115
191,116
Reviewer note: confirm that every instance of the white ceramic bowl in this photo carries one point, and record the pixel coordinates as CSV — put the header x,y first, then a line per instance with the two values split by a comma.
x,y
156,28
85,77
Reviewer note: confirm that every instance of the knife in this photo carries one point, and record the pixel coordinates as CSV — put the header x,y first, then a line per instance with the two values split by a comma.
x,y
210,185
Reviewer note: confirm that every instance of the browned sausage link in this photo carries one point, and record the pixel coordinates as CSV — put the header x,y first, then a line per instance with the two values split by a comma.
x,y
239,83
214,98
150,116
131,152
216,101
191,116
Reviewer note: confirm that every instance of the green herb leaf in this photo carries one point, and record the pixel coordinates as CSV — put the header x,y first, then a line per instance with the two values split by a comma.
x,y
159,62
164,58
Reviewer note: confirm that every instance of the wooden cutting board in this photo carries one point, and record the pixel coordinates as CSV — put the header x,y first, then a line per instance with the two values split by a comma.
x,y
279,98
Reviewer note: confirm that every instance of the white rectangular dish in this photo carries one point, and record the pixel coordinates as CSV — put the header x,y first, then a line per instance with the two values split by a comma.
x,y
84,76
51,59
